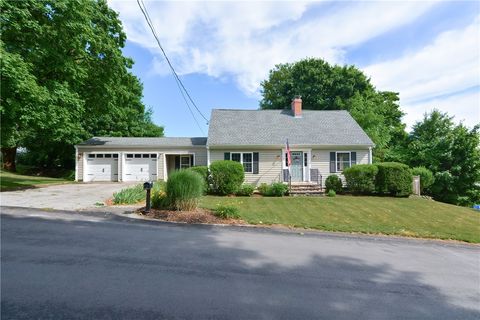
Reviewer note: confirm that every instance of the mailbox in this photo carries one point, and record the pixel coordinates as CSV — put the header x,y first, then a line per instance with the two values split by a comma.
x,y
148,185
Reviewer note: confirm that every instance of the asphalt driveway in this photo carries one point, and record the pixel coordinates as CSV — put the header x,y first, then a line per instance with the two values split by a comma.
x,y
62,197
58,265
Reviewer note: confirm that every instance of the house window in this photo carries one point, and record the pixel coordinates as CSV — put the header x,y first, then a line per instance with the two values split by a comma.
x,y
185,162
246,159
343,161
247,162
129,155
91,155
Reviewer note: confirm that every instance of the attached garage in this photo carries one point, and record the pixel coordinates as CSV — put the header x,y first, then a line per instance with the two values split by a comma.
x,y
141,166
101,167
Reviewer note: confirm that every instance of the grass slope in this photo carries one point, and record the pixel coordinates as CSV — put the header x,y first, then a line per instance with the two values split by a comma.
x,y
14,181
414,217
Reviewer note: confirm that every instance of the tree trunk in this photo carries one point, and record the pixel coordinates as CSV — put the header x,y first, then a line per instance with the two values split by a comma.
x,y
8,156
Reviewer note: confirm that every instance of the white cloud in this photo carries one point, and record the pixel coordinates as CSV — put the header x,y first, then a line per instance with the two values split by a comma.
x,y
449,64
245,40
465,108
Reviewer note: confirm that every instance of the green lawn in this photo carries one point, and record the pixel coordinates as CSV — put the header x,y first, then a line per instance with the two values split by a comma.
x,y
14,181
414,217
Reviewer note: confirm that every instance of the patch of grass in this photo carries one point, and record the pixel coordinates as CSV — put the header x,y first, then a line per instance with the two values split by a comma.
x,y
15,181
226,212
135,194
414,217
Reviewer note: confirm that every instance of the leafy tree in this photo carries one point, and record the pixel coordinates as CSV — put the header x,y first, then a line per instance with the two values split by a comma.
x,y
326,87
64,79
452,153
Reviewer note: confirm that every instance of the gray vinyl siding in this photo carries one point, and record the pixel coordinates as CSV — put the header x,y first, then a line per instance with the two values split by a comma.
x,y
321,161
200,154
269,165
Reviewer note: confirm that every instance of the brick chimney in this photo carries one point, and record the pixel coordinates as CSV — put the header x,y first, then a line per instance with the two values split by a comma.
x,y
297,107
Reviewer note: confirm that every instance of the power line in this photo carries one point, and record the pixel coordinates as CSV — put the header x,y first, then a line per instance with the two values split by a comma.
x,y
179,82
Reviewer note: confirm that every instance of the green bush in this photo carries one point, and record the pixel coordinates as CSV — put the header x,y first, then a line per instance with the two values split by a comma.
x,y
184,188
276,189
263,188
203,171
245,190
227,212
361,178
135,194
393,179
331,193
160,200
426,178
227,176
334,183
130,195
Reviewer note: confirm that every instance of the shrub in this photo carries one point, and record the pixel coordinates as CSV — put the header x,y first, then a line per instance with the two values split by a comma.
x,y
130,195
203,171
184,188
227,212
263,188
227,176
394,179
361,178
276,189
426,177
334,183
331,193
160,200
245,190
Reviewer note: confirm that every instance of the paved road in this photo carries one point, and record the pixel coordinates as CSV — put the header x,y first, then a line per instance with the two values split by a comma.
x,y
79,266
63,197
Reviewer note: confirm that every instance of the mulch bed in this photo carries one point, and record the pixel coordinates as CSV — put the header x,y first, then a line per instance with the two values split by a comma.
x,y
199,215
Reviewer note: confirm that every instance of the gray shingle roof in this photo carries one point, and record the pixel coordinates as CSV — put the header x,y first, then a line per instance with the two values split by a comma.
x,y
141,142
273,127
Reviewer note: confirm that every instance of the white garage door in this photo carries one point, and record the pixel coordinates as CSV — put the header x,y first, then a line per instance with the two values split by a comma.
x,y
141,167
102,167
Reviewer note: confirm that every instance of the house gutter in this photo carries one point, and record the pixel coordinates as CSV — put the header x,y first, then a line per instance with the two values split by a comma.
x,y
76,163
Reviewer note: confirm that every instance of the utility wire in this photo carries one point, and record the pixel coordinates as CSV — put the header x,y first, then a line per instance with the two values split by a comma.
x,y
179,82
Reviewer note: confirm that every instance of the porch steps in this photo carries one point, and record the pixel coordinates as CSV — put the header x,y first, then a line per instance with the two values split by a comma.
x,y
306,189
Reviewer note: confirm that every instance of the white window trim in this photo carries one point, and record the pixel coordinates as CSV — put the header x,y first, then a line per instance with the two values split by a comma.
x,y
241,158
336,159
189,160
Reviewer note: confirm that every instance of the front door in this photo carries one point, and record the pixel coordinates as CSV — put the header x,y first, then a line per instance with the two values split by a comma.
x,y
297,166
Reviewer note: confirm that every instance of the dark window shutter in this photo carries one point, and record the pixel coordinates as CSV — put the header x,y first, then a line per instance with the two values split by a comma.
x,y
332,162
353,158
226,156
177,162
255,162
192,158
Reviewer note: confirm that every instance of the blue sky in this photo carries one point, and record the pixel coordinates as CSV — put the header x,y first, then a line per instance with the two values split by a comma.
x,y
427,51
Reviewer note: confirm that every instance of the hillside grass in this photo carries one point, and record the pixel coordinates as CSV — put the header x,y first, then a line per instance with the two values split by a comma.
x,y
15,181
413,217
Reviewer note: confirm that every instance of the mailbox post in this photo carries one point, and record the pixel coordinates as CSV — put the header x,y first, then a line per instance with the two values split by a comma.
x,y
147,186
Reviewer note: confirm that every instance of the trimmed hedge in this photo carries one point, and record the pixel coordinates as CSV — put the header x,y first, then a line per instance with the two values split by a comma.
x,y
184,189
227,176
361,178
334,183
245,190
393,179
426,177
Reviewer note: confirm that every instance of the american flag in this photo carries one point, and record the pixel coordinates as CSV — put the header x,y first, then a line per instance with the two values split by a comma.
x,y
289,155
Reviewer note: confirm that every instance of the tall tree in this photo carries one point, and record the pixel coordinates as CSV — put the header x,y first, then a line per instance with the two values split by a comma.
x,y
452,152
65,79
326,87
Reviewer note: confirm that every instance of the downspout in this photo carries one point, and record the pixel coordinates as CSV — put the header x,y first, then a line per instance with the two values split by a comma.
x,y
370,159
208,156
76,163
